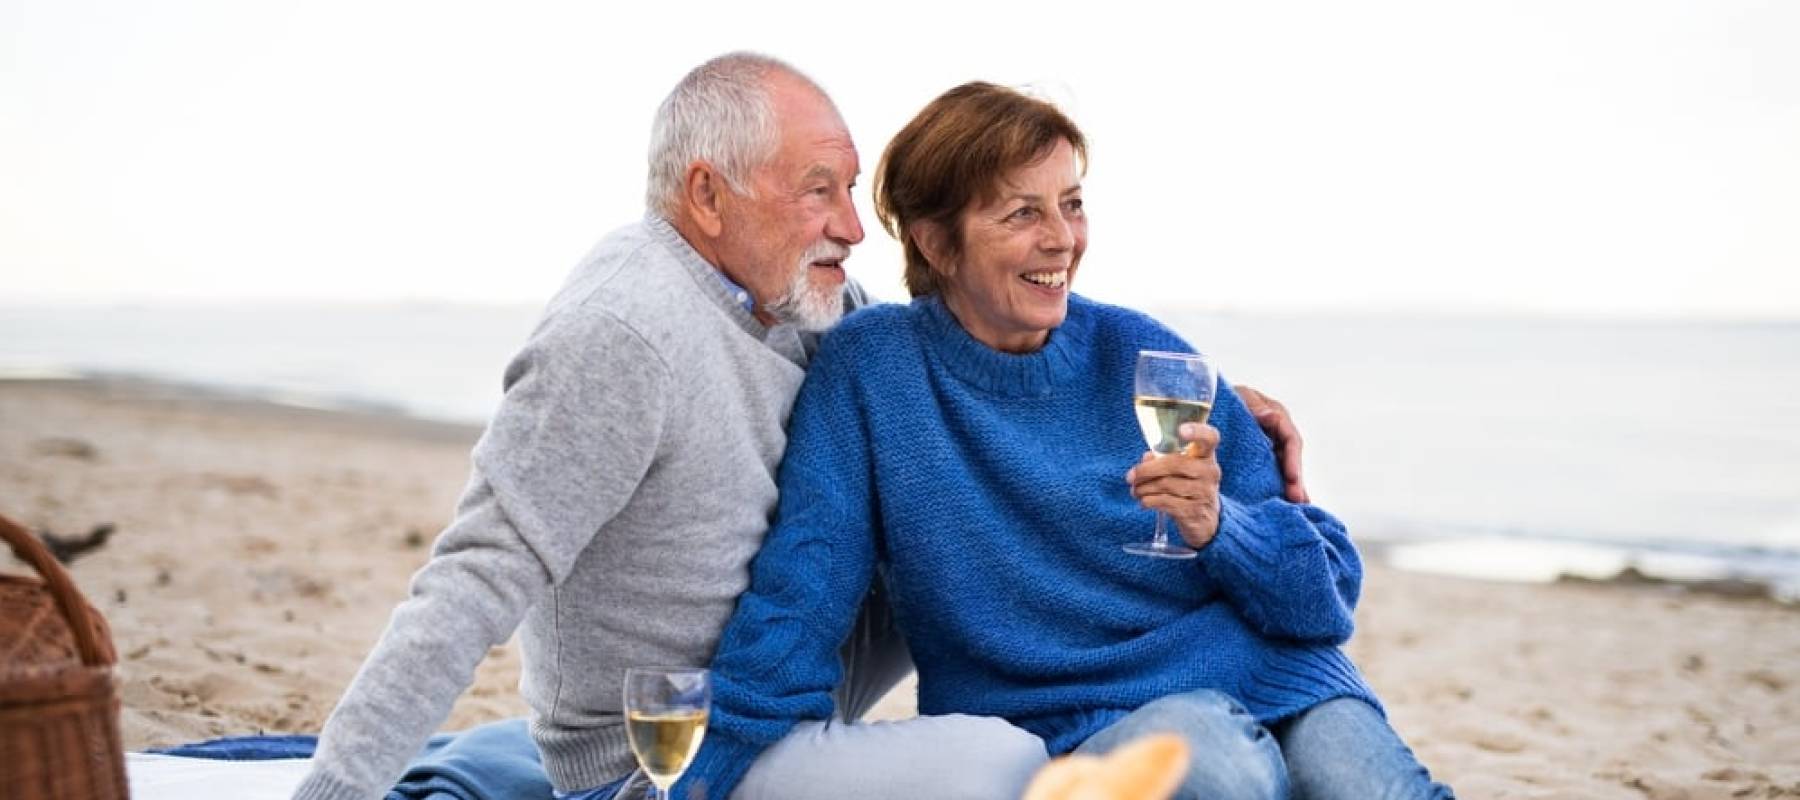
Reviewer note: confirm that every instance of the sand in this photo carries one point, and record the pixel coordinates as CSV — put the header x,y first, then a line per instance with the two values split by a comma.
x,y
260,548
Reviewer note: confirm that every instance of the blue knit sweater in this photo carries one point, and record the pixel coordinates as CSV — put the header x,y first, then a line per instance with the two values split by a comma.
x,y
989,488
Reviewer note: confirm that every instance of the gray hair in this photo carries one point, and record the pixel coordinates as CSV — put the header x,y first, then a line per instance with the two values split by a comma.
x,y
719,113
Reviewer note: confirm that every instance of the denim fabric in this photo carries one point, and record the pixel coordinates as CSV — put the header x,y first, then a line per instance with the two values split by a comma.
x,y
1344,749
1341,748
486,762
606,792
1231,756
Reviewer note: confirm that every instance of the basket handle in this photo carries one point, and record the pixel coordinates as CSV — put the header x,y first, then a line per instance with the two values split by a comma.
x,y
74,609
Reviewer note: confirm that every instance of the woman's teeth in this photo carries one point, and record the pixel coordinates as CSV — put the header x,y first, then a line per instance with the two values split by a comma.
x,y
1054,280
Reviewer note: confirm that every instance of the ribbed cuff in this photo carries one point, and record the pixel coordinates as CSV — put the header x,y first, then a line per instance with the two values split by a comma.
x,y
1272,565
321,785
720,764
582,758
1239,550
1293,680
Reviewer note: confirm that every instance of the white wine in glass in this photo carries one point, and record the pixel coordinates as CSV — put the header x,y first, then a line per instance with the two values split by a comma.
x,y
1173,389
665,719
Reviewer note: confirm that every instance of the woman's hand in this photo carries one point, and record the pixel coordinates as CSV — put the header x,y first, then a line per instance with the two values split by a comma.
x,y
1184,485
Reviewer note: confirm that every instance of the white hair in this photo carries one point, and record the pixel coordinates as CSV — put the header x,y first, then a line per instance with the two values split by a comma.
x,y
719,113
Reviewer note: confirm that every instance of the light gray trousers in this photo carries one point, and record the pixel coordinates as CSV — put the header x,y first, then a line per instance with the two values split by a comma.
x,y
943,757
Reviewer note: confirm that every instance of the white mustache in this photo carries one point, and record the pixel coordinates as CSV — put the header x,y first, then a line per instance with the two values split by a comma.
x,y
825,250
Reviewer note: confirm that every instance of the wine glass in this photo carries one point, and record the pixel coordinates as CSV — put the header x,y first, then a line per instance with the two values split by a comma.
x,y
665,719
1172,389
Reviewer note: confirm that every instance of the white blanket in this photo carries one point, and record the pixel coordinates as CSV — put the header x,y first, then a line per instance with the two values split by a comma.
x,y
159,777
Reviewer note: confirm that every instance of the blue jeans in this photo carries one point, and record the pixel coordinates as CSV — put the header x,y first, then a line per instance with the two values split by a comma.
x,y
1340,748
606,792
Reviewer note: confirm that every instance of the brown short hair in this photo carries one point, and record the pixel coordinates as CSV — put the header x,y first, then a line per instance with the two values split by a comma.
x,y
955,152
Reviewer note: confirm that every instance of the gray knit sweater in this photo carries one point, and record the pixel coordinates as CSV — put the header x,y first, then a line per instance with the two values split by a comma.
x,y
616,500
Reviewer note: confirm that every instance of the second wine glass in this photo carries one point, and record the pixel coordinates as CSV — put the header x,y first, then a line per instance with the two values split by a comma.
x,y
1173,389
665,719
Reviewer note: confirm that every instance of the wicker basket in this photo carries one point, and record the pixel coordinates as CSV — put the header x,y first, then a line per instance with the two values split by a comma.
x,y
59,711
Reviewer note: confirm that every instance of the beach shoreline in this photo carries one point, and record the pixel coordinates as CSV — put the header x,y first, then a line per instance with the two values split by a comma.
x,y
259,548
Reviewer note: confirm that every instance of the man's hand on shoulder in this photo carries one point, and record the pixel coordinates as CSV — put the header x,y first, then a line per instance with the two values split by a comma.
x,y
1275,422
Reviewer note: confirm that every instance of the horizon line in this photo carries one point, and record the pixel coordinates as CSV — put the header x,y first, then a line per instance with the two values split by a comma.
x,y
1448,312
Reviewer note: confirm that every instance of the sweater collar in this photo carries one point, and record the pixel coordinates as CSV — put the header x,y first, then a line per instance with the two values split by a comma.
x,y
713,283
1062,357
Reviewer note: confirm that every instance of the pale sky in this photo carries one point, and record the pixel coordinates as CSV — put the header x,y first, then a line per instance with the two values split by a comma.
x,y
1621,157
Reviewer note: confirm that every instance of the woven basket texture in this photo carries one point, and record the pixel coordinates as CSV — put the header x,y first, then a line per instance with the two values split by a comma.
x,y
59,709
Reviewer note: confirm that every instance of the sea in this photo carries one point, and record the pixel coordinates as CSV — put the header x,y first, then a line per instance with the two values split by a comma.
x,y
1497,447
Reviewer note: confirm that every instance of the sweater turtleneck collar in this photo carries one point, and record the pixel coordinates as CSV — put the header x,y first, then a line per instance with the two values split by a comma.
x,y
1063,356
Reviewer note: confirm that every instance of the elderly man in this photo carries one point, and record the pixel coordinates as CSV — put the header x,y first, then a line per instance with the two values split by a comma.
x,y
628,476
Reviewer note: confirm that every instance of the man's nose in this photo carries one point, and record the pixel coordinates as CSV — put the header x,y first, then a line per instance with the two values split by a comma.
x,y
844,225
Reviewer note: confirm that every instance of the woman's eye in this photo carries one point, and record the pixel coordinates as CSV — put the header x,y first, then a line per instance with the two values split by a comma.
x,y
1023,213
1074,205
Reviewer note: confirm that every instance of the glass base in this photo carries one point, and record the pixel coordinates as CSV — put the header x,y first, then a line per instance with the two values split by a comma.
x,y
1160,550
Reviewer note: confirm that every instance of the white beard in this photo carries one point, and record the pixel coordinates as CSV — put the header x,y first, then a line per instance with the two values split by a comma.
x,y
808,306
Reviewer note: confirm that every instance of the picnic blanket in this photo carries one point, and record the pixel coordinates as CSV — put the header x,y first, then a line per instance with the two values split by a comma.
x,y
496,761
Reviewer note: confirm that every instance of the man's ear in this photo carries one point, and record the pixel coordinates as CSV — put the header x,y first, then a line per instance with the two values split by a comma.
x,y
702,192
934,242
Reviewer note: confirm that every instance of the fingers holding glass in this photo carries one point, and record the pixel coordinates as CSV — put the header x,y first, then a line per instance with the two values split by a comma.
x,y
1184,487
1172,391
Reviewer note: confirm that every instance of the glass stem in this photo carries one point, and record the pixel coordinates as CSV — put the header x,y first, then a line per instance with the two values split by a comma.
x,y
1161,539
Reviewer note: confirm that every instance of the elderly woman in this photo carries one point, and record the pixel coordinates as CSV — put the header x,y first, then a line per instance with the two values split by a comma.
x,y
978,447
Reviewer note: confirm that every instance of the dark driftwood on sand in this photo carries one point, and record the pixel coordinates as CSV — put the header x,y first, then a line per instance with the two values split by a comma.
x,y
69,548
